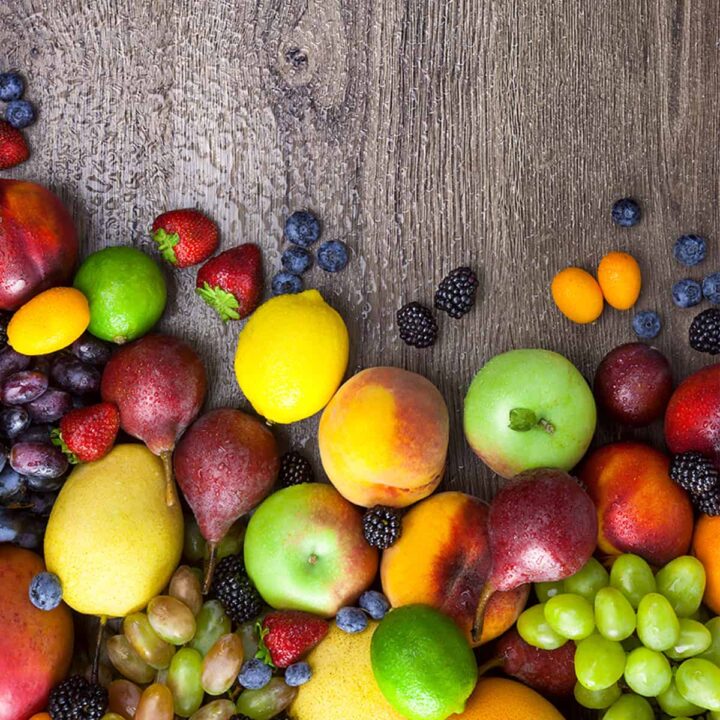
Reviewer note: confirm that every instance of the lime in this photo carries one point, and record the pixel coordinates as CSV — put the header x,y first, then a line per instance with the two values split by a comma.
x,y
423,663
126,291
291,356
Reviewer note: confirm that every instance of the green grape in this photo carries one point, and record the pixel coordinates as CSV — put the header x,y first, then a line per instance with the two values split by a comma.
x,y
146,642
698,681
535,630
156,703
647,672
123,697
215,710
268,702
171,619
682,582
630,707
673,703
657,624
248,634
596,699
588,580
222,664
614,615
161,676
185,587
599,663
212,622
545,590
632,576
112,716
232,543
184,681
127,662
694,639
713,652
570,616
193,542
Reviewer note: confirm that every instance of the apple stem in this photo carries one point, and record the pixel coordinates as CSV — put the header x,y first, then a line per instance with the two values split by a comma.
x,y
170,494
524,419
98,648
485,595
210,567
490,665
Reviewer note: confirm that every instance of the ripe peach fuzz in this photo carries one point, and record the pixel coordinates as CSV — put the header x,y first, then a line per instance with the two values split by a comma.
x,y
384,437
640,509
443,559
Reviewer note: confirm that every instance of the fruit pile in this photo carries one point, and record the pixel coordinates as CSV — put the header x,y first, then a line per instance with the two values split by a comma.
x,y
19,114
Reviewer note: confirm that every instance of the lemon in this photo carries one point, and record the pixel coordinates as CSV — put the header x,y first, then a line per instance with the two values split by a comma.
x,y
291,356
49,322
111,538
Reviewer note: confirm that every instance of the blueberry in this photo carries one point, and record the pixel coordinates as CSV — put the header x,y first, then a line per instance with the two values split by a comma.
x,y
254,674
711,288
297,674
285,283
45,591
12,86
690,249
687,293
332,256
302,228
646,324
374,603
351,620
626,212
20,114
296,260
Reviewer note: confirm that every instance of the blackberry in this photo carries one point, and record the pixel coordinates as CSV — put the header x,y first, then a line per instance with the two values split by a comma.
x,y
417,325
709,503
234,589
693,472
705,331
382,526
295,470
77,699
456,293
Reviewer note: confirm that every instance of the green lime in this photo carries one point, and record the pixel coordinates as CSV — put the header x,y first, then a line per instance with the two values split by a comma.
x,y
126,291
422,663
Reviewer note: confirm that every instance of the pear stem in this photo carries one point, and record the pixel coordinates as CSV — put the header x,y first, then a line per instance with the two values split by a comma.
x,y
491,664
485,595
98,648
210,564
170,494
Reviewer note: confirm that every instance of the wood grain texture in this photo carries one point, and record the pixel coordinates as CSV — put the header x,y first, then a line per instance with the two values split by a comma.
x,y
426,135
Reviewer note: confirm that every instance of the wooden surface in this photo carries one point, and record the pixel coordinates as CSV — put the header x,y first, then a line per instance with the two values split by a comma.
x,y
426,135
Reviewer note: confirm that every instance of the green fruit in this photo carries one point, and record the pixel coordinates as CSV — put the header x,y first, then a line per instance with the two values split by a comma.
x,y
422,663
126,292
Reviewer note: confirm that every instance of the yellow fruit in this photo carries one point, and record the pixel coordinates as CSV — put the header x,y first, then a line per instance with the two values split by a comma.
x,y
343,685
291,356
577,295
620,280
507,699
49,322
111,538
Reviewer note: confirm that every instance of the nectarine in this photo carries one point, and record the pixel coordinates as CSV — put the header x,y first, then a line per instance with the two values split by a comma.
x,y
706,541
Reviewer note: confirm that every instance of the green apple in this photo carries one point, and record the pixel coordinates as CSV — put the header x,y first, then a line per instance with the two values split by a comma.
x,y
529,409
305,550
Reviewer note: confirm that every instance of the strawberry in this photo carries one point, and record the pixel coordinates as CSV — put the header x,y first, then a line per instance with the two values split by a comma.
x,y
286,635
231,283
185,237
88,433
13,147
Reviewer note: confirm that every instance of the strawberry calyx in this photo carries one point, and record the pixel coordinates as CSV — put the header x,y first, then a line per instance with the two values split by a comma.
x,y
223,302
57,439
166,243
263,653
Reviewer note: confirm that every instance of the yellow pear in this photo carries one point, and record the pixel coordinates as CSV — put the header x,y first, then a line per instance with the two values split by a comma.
x,y
111,538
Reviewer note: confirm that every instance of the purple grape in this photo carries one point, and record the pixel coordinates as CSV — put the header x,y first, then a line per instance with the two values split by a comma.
x,y
42,363
3,455
12,485
13,421
11,525
38,460
32,529
41,503
91,350
50,406
36,433
11,362
23,387
45,484
75,376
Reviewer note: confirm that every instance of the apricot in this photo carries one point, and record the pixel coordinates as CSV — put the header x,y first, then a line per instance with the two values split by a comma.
x,y
706,541
442,559
577,295
384,436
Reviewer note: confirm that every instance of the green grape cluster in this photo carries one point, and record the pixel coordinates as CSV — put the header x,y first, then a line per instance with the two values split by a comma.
x,y
641,644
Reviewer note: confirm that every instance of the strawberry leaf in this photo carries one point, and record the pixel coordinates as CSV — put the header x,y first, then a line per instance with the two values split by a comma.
x,y
263,653
166,242
224,303
57,439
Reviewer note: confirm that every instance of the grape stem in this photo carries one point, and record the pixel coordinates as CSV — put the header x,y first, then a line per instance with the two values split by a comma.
x,y
485,595
171,498
98,648
209,567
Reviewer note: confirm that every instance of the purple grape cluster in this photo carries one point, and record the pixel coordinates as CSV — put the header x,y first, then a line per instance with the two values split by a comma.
x,y
35,393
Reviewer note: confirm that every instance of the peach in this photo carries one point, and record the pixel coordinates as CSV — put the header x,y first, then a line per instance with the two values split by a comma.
x,y
443,559
384,438
640,509
706,541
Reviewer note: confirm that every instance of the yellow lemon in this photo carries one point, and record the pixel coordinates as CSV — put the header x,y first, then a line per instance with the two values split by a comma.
x,y
291,356
49,322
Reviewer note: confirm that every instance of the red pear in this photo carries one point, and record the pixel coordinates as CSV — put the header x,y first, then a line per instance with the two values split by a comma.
x,y
225,464
542,527
159,385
